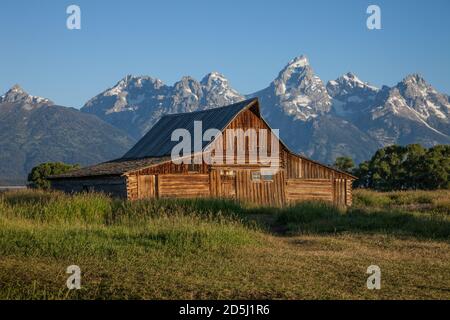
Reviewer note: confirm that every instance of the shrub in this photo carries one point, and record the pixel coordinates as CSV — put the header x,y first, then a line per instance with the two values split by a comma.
x,y
38,175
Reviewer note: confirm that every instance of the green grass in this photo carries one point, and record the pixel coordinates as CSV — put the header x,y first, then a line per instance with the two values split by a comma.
x,y
57,225
212,249
386,199
316,217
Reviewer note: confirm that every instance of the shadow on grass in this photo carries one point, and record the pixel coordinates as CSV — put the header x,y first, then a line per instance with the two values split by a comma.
x,y
322,218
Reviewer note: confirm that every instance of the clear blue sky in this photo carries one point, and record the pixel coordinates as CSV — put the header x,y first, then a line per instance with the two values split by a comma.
x,y
249,41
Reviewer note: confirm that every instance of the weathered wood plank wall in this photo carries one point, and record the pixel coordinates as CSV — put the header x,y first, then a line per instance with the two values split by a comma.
x,y
266,193
183,185
248,119
298,167
309,189
247,190
349,195
132,186
146,186
339,192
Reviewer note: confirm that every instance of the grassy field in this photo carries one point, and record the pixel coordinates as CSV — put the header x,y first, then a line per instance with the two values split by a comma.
x,y
211,249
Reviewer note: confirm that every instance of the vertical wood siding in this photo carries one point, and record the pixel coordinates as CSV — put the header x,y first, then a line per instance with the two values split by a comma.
x,y
340,192
146,186
248,119
298,167
349,196
266,193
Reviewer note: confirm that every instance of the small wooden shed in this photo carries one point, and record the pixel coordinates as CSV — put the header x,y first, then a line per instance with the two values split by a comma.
x,y
148,171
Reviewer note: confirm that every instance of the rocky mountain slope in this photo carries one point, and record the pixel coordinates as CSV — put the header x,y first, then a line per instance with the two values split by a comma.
x,y
34,130
410,112
134,104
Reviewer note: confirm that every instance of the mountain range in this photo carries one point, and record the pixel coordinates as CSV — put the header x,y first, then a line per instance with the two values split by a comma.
x,y
346,116
35,130
134,104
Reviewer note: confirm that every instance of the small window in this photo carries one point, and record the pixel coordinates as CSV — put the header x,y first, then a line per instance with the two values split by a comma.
x,y
267,175
256,176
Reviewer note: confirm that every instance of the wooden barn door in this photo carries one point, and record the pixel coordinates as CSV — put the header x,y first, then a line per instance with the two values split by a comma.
x,y
228,184
146,186
340,192
223,183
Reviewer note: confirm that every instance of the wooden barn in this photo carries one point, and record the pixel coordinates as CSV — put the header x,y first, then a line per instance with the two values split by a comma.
x,y
149,171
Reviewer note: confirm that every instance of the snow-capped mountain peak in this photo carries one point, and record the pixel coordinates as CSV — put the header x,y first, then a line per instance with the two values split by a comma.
x,y
415,79
299,62
293,73
352,80
301,93
184,96
346,83
186,83
350,94
216,86
19,96
136,103
213,76
131,82
214,79
126,95
423,98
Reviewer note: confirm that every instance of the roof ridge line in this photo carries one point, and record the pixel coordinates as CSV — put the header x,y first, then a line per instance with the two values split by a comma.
x,y
211,109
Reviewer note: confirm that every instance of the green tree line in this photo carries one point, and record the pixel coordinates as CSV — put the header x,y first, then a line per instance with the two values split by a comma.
x,y
402,168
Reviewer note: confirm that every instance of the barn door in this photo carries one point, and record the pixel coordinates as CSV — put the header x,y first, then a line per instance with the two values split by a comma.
x,y
227,184
340,192
146,186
